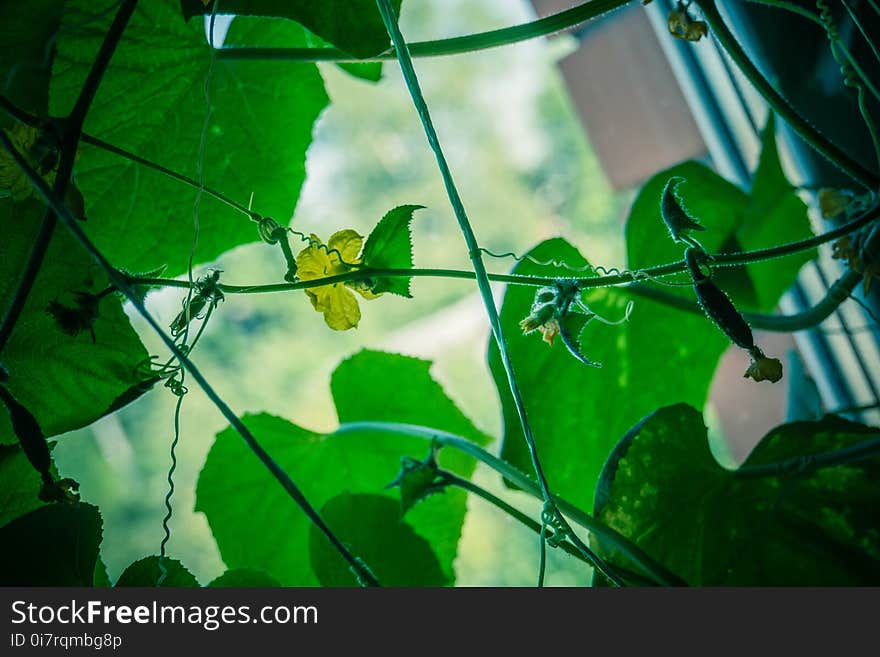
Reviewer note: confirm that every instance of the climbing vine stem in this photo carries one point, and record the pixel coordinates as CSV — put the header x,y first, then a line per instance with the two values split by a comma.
x,y
651,568
482,278
558,22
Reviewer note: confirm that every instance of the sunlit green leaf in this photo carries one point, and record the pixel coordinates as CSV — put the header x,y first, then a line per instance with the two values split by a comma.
x,y
396,555
56,545
256,136
389,246
257,525
663,489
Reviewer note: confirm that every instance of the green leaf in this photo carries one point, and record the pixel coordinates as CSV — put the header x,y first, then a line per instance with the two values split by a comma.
x,y
354,26
66,381
416,480
775,215
56,545
389,246
244,577
260,126
709,199
663,489
771,214
660,356
19,484
368,71
371,526
256,525
26,32
146,572
101,578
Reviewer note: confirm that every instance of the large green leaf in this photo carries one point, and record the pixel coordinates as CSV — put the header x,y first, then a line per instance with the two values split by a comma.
x,y
371,525
255,523
152,102
354,26
66,381
660,356
56,545
663,489
27,30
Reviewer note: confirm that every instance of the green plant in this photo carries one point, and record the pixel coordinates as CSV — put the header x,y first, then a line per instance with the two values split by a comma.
x,y
103,134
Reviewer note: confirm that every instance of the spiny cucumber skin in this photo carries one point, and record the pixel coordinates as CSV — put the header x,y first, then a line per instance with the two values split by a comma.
x,y
718,306
720,309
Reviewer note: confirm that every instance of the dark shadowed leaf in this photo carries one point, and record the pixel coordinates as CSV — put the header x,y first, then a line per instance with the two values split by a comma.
x,y
663,489
66,381
374,531
56,545
19,484
27,31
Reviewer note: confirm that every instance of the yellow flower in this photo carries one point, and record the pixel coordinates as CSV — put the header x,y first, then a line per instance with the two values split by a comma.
x,y
340,256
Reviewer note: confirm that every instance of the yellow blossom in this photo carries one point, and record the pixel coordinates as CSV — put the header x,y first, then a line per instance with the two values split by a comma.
x,y
339,256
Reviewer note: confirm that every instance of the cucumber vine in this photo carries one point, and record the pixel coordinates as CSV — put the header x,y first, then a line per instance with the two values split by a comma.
x,y
88,92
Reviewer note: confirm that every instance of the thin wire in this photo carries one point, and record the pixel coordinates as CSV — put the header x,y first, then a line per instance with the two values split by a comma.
x,y
542,559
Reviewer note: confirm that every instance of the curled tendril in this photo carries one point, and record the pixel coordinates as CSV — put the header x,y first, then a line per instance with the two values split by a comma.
x,y
206,297
550,519
176,386
636,275
553,305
